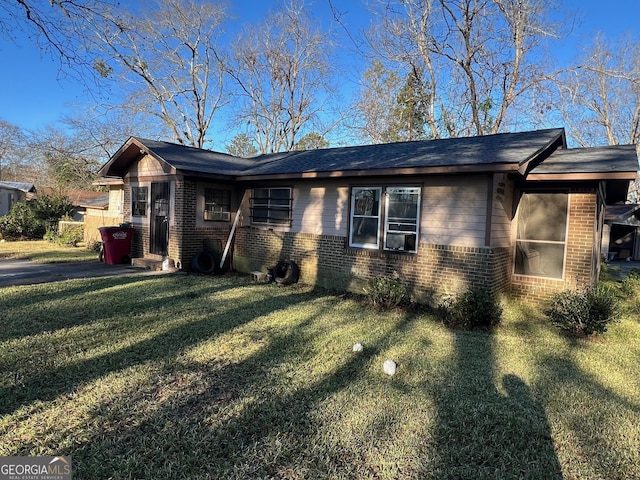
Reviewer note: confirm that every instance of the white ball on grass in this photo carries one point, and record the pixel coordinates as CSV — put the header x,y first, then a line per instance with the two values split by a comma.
x,y
389,367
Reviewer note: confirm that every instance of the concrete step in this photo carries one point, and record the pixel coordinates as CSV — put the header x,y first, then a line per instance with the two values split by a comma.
x,y
147,263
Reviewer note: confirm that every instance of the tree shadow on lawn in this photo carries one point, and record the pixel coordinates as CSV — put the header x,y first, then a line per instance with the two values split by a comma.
x,y
482,433
245,421
53,306
603,432
252,419
47,384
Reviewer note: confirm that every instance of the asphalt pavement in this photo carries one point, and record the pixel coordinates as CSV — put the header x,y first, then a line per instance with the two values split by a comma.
x,y
25,272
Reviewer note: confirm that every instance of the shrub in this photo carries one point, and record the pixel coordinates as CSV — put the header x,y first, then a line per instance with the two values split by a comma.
x,y
474,309
630,294
72,236
634,274
631,284
95,246
385,293
31,219
584,311
69,237
21,223
50,208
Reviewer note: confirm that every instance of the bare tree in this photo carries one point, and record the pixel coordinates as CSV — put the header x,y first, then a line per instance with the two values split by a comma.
x,y
477,58
12,151
374,109
600,99
169,63
70,161
104,130
281,68
55,25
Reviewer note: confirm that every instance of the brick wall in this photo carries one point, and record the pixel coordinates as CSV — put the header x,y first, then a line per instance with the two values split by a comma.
x,y
325,260
186,238
436,270
581,261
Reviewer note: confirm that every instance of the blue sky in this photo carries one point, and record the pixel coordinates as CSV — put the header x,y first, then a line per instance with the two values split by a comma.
x,y
34,93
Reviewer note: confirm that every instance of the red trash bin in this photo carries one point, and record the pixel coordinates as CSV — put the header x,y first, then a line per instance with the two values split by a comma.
x,y
116,243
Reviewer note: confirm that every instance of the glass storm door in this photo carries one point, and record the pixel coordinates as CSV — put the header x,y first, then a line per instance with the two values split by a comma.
x,y
159,237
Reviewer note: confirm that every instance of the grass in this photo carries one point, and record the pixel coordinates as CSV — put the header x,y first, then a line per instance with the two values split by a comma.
x,y
214,377
43,251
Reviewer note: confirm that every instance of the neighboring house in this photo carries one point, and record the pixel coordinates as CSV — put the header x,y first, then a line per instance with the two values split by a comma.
x,y
515,212
103,211
621,236
12,192
78,199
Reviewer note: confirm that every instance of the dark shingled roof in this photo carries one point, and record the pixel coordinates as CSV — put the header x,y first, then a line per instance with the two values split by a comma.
x,y
191,159
510,152
504,148
612,159
512,149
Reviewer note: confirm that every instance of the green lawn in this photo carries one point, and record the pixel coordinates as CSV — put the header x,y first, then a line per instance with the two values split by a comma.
x,y
185,376
45,252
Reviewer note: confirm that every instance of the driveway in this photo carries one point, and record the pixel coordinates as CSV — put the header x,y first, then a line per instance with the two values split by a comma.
x,y
25,272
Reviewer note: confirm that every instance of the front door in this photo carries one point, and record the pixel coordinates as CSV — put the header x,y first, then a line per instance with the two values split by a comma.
x,y
159,237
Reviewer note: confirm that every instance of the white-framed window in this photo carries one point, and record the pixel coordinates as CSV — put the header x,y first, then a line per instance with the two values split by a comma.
x,y
365,217
139,201
217,205
402,214
271,206
397,230
541,239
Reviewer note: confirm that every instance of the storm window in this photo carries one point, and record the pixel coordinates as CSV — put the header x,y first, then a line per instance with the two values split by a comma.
x,y
271,206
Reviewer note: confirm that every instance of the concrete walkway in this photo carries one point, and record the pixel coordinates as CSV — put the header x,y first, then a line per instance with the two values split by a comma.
x,y
25,272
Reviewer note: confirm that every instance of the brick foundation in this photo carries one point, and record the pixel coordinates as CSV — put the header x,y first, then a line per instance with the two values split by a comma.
x,y
326,261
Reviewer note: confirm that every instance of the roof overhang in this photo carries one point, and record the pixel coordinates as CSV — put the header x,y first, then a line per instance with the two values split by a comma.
x,y
130,152
614,162
526,165
581,176
440,170
108,181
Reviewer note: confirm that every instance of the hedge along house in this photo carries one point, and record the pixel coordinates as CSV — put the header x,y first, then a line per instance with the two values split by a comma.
x,y
514,212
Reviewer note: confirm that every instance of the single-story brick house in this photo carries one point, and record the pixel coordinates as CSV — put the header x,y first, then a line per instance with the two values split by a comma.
x,y
513,212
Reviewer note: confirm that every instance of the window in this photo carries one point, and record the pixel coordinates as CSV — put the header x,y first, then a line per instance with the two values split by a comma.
x,y
365,217
400,221
139,201
271,206
217,204
541,236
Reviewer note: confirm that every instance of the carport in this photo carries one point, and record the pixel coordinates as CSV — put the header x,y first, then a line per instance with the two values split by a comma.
x,y
621,233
